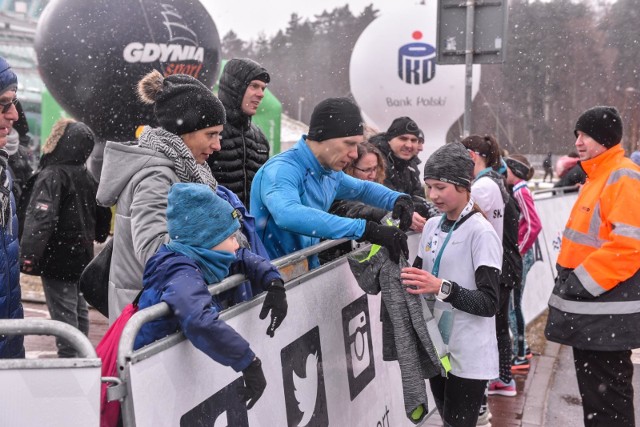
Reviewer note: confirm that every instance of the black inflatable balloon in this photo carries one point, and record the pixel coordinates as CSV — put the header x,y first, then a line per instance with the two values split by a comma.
x,y
92,53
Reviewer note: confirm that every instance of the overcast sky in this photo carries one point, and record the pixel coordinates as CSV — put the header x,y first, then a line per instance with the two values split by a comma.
x,y
248,18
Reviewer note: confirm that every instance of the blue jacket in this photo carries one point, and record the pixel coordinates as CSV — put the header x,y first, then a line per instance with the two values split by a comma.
x,y
246,290
177,280
10,296
291,195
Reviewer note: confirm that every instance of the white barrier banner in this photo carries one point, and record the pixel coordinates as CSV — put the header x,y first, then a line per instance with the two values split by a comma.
x,y
554,213
52,397
323,367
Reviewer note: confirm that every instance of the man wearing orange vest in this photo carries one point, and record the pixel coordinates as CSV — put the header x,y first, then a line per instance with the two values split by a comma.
x,y
595,305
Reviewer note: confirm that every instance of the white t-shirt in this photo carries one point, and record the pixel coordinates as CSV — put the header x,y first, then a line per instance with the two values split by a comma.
x,y
488,196
473,345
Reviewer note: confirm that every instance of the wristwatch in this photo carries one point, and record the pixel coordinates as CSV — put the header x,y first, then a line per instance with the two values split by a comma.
x,y
445,290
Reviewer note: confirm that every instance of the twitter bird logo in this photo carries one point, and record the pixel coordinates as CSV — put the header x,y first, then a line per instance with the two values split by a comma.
x,y
304,392
306,389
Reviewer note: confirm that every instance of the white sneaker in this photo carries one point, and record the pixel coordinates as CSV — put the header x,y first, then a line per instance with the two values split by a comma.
x,y
484,417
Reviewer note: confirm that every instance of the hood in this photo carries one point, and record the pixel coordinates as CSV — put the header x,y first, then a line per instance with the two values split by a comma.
x,y
235,79
381,143
122,160
69,143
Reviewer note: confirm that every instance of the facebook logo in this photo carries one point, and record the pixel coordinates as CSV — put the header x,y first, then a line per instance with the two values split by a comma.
x,y
304,393
223,409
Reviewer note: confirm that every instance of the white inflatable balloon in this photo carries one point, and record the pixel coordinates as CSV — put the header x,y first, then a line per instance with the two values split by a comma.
x,y
393,73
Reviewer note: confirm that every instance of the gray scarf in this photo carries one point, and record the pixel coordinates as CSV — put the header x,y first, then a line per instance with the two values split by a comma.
x,y
172,146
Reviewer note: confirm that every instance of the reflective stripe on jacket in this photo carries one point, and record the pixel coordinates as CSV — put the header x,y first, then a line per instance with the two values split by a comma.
x,y
596,300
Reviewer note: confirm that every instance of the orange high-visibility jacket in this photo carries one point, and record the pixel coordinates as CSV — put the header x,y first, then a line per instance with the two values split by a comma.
x,y
595,303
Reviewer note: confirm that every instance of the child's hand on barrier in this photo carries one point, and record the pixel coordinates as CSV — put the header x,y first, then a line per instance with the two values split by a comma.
x,y
254,382
276,302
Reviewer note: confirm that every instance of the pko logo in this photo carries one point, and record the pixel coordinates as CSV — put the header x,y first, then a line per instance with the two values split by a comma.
x,y
304,394
356,330
224,408
416,61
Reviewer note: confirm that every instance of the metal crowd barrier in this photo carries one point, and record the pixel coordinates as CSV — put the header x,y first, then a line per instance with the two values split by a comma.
x,y
120,389
52,392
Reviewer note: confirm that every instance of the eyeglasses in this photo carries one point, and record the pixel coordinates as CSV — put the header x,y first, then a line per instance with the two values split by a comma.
x,y
7,105
366,171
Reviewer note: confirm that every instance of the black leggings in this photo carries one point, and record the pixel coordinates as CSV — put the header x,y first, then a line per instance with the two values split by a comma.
x,y
502,334
457,399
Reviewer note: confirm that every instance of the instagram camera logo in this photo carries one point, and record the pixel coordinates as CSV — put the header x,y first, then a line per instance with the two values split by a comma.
x,y
358,347
416,61
304,394
225,408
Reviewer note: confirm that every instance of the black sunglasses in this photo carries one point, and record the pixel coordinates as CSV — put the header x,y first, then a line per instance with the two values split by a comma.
x,y
7,105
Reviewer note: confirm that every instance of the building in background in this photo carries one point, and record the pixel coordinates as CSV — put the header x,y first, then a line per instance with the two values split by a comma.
x,y
18,19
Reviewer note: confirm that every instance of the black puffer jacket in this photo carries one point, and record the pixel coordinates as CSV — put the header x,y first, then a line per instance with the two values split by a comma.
x,y
402,175
244,147
62,219
21,169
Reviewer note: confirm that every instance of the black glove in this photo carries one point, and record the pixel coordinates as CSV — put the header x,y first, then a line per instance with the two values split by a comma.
x,y
254,382
276,302
403,210
29,266
390,237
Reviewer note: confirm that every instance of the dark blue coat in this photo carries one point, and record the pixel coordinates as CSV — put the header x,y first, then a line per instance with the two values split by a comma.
x,y
246,290
177,280
10,295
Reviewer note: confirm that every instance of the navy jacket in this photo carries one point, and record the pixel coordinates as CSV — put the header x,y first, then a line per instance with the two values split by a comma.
x,y
10,296
177,280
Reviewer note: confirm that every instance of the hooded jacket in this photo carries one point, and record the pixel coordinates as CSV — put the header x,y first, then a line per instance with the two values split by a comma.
x,y
402,175
137,181
595,303
178,281
62,219
244,148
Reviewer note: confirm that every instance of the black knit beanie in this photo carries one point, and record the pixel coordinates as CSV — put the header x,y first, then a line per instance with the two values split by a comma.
x,y
335,118
182,104
450,163
602,124
518,168
402,126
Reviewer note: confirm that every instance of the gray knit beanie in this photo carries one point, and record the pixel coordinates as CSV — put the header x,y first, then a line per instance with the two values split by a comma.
x,y
450,163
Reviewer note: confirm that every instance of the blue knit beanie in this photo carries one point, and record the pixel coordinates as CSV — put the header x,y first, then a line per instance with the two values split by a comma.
x,y
196,216
8,79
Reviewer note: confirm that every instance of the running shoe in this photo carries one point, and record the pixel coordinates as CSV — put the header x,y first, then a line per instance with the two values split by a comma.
x,y
520,364
485,417
527,354
500,388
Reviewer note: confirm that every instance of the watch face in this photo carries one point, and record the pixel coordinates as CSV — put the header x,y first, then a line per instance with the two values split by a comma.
x,y
446,287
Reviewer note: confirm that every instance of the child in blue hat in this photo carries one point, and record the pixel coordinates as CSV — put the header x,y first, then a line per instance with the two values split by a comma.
x,y
202,229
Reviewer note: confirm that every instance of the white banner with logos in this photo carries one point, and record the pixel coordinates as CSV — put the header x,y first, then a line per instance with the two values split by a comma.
x,y
554,213
53,397
323,367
